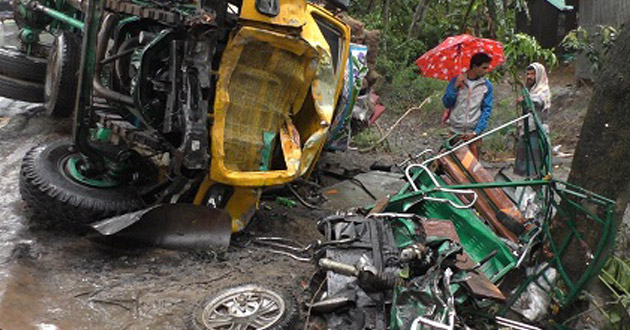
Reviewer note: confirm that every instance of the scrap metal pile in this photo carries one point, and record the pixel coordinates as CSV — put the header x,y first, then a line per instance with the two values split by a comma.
x,y
456,248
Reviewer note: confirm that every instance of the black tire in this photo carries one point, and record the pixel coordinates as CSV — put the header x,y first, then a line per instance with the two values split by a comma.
x,y
15,64
21,90
285,319
6,5
62,74
54,196
510,223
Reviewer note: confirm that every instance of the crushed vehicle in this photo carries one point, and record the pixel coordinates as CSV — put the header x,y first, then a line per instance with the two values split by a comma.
x,y
459,249
184,111
201,103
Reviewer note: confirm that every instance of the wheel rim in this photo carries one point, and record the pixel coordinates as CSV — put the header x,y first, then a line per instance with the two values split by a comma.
x,y
244,309
70,167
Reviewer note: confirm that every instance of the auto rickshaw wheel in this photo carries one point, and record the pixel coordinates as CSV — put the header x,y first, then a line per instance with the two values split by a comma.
x,y
52,193
246,306
15,64
62,75
21,90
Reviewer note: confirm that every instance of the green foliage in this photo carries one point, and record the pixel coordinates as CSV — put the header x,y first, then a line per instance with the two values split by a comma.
x,y
522,49
615,275
365,138
594,46
402,56
408,88
401,44
442,18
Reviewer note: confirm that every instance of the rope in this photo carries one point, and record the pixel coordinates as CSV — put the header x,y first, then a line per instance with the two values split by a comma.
x,y
391,129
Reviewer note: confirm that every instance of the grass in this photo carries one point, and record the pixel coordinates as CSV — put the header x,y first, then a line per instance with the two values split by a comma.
x,y
365,138
500,145
408,89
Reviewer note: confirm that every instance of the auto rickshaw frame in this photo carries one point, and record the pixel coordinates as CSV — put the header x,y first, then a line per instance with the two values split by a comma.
x,y
564,204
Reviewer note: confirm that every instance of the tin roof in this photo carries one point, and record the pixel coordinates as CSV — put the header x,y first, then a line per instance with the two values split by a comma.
x,y
560,4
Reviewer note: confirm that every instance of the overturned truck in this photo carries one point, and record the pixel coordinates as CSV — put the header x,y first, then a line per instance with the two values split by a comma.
x,y
201,103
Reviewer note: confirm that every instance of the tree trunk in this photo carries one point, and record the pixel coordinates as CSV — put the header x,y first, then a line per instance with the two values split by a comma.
x,y
385,20
464,23
385,14
418,16
601,157
369,6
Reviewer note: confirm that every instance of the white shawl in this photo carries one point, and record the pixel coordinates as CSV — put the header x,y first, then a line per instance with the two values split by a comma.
x,y
540,93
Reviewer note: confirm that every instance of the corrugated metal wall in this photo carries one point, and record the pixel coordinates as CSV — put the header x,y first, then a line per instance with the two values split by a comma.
x,y
544,22
608,12
600,12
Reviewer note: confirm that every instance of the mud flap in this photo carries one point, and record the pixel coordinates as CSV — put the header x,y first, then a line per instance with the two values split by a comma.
x,y
171,226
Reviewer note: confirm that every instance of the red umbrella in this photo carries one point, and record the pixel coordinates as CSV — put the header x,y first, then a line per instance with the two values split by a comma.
x,y
452,56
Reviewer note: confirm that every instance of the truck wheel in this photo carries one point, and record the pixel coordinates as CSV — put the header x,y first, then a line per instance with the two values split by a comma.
x,y
62,76
246,306
21,90
52,193
15,64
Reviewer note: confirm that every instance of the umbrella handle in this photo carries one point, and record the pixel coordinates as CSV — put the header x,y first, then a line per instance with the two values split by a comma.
x,y
446,115
459,56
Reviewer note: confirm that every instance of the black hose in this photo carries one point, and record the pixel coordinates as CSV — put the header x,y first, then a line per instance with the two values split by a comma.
x,y
109,23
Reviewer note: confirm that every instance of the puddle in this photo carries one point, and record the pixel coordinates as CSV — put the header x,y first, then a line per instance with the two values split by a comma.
x,y
21,297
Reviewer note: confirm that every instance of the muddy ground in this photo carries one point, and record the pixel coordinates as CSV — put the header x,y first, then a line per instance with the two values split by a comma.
x,y
55,278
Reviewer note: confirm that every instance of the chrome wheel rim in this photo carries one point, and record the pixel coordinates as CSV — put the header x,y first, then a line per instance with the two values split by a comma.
x,y
245,308
53,70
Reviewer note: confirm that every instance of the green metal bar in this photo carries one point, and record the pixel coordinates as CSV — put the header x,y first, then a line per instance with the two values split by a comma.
x,y
83,104
59,16
419,194
601,251
528,147
570,216
543,137
556,258
499,184
268,139
127,20
603,202
588,213
553,288
571,225
586,193
604,247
